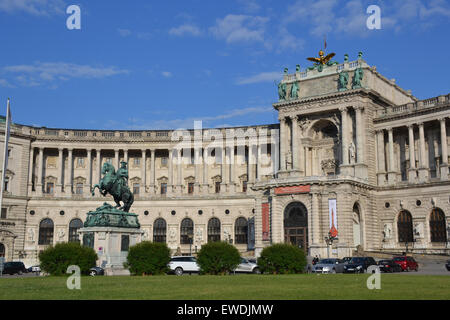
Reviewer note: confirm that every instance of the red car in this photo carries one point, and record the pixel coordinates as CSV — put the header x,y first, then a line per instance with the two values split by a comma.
x,y
407,263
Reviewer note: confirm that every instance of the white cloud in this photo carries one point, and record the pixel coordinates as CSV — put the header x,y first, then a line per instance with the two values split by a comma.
x,y
5,83
41,72
33,7
186,29
240,28
260,77
166,74
124,32
249,5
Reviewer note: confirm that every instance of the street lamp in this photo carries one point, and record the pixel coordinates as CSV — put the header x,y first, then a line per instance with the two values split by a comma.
x,y
190,236
329,241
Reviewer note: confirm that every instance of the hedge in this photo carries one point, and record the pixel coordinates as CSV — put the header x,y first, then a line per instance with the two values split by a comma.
x,y
56,259
148,258
282,259
218,258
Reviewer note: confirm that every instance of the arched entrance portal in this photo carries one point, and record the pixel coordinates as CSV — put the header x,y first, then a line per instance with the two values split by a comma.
x,y
296,225
2,250
357,241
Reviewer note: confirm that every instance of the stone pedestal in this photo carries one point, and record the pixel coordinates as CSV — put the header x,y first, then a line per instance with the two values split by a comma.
x,y
361,171
347,170
444,171
110,232
111,245
424,174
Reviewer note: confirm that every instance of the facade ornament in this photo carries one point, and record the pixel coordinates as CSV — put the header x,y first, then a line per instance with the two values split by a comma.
x,y
294,91
418,229
297,68
282,91
61,234
352,154
357,78
387,231
31,234
199,235
343,81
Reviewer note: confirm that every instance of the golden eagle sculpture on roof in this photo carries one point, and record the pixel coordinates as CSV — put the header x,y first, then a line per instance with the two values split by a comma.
x,y
322,59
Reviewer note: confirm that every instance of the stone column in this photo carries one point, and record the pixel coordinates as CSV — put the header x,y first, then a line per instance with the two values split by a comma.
x,y
283,140
144,171
381,173
205,171
153,178
344,134
423,161
89,160
99,164
196,170
60,184
170,186
392,174
40,172
251,161
359,135
295,143
444,165
222,166
116,159
125,156
258,162
315,216
68,188
179,171
231,164
30,171
412,172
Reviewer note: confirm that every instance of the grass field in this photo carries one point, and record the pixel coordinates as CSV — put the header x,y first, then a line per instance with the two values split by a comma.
x,y
245,287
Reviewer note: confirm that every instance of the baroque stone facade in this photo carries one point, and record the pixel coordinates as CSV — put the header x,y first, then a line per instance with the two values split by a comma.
x,y
373,149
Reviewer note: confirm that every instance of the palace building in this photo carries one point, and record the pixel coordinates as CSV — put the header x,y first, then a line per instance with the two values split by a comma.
x,y
353,153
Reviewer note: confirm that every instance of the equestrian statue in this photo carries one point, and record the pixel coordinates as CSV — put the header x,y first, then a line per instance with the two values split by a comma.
x,y
116,184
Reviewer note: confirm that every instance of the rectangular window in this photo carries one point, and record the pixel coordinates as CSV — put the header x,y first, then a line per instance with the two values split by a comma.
x,y
164,161
217,187
190,187
137,161
109,160
50,187
4,211
244,186
136,188
163,188
80,162
79,188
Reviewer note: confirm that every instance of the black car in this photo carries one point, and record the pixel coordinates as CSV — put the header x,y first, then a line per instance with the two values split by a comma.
x,y
14,267
346,259
389,266
359,264
447,265
96,271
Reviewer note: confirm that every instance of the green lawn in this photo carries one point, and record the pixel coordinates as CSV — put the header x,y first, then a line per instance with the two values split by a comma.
x,y
286,287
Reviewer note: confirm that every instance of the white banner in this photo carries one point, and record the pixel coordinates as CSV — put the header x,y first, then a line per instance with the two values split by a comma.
x,y
332,217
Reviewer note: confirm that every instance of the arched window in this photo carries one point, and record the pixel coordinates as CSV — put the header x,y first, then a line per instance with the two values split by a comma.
x,y
213,230
187,231
404,227
437,226
2,250
74,225
159,230
46,232
241,231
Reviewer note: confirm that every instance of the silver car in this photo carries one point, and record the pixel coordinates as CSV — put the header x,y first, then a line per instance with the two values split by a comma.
x,y
330,265
247,267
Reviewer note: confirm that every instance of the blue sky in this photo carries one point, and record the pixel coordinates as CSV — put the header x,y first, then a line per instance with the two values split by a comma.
x,y
162,64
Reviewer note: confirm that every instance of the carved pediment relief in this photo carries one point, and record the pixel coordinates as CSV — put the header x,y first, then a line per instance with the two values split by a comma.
x,y
189,179
243,177
135,180
162,180
50,179
217,178
80,179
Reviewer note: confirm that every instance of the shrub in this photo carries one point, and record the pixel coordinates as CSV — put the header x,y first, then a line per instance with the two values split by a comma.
x,y
148,258
56,259
218,258
282,258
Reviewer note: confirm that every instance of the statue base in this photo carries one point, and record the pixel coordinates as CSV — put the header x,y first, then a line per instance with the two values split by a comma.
x,y
110,232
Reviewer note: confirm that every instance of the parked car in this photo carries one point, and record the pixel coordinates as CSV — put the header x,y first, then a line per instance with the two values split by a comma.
x,y
388,265
247,267
34,269
447,265
346,259
96,271
330,265
359,264
183,264
407,263
14,267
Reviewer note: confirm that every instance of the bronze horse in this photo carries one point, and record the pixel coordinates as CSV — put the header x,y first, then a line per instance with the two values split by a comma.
x,y
115,186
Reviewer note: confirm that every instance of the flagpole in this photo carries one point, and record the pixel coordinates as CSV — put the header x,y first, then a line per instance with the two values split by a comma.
x,y
5,152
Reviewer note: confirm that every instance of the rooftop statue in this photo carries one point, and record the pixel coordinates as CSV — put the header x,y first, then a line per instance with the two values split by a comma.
x,y
322,60
116,184
357,78
294,91
282,91
343,81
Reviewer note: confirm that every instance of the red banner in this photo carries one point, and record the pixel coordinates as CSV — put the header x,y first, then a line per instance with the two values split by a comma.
x,y
293,189
265,221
